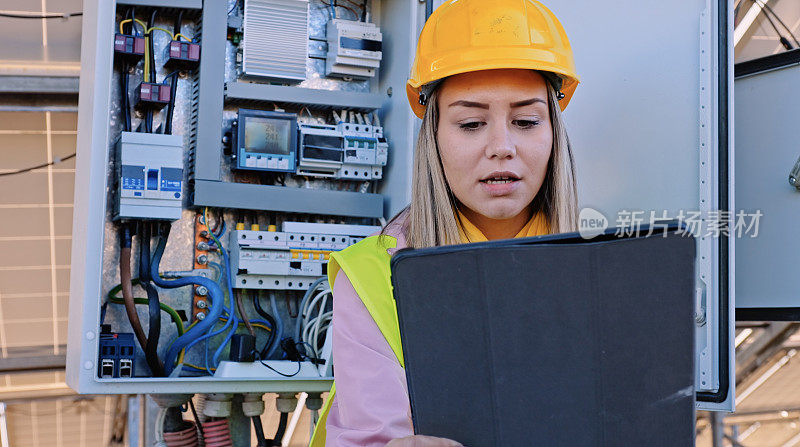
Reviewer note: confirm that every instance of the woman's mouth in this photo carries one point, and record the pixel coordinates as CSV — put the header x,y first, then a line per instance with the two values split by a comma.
x,y
500,183
499,180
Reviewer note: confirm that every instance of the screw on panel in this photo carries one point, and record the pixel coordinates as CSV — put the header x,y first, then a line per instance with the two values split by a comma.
x,y
202,259
202,304
200,315
201,290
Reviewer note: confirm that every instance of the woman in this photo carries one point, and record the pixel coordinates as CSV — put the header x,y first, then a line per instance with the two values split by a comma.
x,y
492,161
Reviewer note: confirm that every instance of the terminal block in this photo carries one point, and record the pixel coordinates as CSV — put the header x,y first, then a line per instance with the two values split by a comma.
x,y
117,354
129,48
183,55
152,96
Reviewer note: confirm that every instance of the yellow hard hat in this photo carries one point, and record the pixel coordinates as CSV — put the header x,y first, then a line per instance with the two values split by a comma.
x,y
472,35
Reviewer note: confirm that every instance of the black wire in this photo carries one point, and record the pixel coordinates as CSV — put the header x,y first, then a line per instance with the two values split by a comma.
x,y
126,108
54,15
266,315
176,29
777,17
281,429
171,106
43,165
261,441
782,39
151,24
129,14
153,304
148,117
299,366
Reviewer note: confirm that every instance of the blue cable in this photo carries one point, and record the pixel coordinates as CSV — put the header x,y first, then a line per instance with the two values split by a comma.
x,y
278,322
214,292
231,312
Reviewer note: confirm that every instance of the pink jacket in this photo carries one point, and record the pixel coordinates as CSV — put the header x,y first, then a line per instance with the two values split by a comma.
x,y
371,405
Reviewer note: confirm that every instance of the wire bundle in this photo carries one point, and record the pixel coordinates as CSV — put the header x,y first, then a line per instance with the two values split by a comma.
x,y
314,318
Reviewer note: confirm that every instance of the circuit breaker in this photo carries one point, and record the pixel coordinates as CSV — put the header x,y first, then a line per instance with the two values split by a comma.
x,y
149,176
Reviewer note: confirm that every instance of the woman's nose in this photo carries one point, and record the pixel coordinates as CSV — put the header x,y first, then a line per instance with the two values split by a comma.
x,y
501,144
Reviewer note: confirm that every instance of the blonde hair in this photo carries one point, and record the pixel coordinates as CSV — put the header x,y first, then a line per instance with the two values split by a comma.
x,y
432,218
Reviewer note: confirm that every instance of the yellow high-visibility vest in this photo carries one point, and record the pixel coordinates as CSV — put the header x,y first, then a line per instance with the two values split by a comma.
x,y
366,265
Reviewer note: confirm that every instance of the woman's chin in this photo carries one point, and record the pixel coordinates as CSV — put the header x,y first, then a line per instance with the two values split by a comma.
x,y
503,211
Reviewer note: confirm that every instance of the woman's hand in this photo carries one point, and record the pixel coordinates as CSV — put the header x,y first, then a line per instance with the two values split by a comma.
x,y
422,441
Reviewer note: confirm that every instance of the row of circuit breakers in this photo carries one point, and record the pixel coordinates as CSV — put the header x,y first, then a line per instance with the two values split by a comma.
x,y
291,259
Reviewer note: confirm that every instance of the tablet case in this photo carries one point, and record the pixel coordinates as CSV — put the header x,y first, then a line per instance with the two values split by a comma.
x,y
551,341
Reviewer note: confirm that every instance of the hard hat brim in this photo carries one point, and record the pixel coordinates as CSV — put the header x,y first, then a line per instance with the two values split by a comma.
x,y
570,83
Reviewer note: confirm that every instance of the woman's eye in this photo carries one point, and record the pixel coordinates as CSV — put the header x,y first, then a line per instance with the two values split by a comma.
x,y
525,124
474,125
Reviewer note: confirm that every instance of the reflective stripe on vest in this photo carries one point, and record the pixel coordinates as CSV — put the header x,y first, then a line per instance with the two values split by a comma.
x,y
366,265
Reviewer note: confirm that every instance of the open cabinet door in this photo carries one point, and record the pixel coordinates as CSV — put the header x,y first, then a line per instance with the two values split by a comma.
x,y
650,125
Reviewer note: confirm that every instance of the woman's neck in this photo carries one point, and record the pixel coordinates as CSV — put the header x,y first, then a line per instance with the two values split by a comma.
x,y
495,229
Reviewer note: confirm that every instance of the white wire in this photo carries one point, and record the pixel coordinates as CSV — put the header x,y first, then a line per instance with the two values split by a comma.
x,y
311,304
320,317
160,418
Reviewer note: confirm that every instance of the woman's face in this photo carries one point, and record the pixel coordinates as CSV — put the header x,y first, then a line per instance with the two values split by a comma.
x,y
495,138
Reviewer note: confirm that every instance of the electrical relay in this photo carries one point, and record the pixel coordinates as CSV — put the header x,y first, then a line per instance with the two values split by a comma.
x,y
354,49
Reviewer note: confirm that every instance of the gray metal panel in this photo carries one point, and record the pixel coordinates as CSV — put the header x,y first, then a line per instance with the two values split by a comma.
x,y
644,128
326,99
90,194
400,123
188,4
39,84
287,200
767,106
208,151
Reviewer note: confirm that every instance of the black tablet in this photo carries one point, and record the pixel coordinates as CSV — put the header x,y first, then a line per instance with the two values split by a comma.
x,y
554,340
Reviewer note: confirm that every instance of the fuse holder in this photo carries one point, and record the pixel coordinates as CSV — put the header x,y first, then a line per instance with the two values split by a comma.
x,y
183,55
152,96
129,48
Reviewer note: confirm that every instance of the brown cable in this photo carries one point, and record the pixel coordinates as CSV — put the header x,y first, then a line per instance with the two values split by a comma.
x,y
127,295
240,306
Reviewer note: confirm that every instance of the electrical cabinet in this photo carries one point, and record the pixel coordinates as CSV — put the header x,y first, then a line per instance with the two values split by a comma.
x,y
650,127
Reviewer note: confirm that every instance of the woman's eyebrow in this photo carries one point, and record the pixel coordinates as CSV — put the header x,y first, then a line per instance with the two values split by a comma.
x,y
464,103
527,102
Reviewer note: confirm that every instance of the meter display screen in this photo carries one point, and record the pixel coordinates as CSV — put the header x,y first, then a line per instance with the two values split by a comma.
x,y
267,135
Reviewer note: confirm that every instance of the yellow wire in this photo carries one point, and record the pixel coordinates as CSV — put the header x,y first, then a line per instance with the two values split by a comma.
x,y
146,57
144,26
161,29
181,35
198,367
